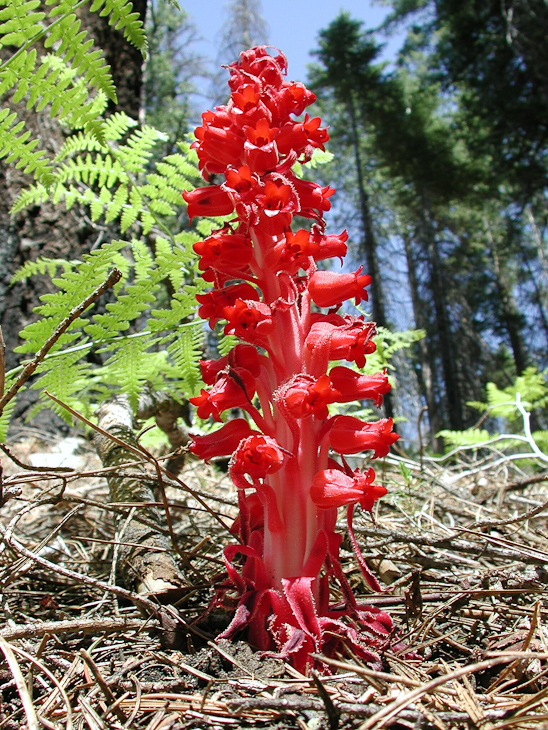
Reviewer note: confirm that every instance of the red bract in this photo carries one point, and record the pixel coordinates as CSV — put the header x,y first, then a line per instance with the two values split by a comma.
x,y
266,279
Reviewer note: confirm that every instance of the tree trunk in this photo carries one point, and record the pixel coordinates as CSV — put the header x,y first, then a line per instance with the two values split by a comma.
x,y
447,347
426,373
48,231
369,241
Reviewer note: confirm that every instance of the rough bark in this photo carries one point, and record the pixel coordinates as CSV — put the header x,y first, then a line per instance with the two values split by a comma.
x,y
145,559
166,412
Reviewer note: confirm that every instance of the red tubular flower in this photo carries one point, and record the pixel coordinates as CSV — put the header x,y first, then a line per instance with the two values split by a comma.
x,y
298,136
351,385
312,197
241,356
224,249
261,152
222,442
214,302
341,338
234,389
333,488
329,289
349,435
250,320
257,456
304,396
209,201
330,246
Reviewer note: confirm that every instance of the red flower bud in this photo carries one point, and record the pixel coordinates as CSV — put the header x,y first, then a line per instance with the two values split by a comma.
x,y
241,356
208,201
333,488
249,320
349,435
304,396
224,249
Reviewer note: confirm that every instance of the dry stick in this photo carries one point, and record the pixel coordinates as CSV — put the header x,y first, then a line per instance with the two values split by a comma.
x,y
142,453
112,279
86,625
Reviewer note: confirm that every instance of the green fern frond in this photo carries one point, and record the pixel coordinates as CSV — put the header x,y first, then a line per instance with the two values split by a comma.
x,y
226,343
132,365
186,351
69,380
121,17
469,437
19,21
16,147
182,306
5,416
74,285
40,266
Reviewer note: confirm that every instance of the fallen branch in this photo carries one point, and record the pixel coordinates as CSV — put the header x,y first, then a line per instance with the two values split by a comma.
x,y
141,564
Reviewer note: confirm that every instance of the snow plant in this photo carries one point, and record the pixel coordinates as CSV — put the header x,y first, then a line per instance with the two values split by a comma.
x,y
265,282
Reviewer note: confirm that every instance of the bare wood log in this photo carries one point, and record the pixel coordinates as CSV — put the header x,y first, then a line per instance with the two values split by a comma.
x,y
146,561
167,411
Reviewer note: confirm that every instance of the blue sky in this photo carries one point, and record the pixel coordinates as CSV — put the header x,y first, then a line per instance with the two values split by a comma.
x,y
293,25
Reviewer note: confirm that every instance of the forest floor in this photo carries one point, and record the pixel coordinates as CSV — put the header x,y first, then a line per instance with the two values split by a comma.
x,y
461,547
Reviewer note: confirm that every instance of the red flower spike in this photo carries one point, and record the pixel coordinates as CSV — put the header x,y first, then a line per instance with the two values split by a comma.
x,y
349,435
329,289
289,489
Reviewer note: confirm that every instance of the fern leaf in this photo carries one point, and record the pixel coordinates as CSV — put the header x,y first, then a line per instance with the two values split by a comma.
x,y
123,19
40,266
16,147
186,351
19,22
67,377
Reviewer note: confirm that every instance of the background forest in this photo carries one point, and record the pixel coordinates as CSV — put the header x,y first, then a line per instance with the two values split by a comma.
x,y
440,163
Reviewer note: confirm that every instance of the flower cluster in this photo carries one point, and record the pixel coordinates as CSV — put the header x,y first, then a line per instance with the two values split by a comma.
x,y
265,281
